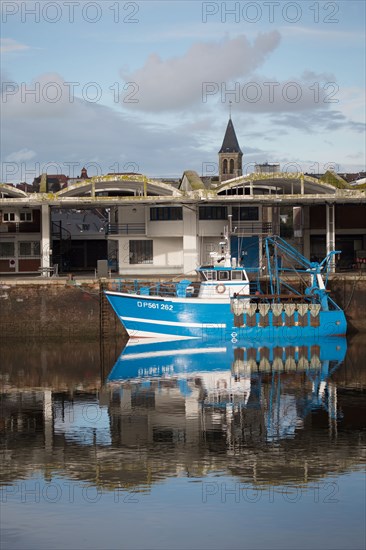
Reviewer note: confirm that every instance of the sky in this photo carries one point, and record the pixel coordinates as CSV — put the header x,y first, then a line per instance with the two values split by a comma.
x,y
148,86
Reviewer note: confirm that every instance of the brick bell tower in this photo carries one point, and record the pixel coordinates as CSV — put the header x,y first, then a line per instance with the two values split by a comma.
x,y
230,155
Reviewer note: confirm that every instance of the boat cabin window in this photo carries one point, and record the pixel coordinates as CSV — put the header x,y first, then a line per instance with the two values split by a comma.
x,y
209,275
224,275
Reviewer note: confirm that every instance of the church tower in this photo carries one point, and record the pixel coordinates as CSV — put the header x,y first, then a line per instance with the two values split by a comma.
x,y
230,155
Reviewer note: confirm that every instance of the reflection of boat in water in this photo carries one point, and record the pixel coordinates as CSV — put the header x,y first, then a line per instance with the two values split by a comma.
x,y
148,359
227,377
230,298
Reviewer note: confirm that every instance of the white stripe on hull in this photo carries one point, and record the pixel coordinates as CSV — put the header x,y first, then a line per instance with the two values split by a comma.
x,y
145,298
168,353
161,335
174,323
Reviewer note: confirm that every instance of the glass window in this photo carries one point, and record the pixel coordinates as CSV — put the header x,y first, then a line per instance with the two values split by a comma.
x,y
29,248
9,216
245,213
166,213
210,275
236,275
213,213
25,216
224,275
6,250
25,248
141,252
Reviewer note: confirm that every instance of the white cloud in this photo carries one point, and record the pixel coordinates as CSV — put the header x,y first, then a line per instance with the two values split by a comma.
x,y
261,94
321,121
177,82
8,45
75,130
21,155
47,96
82,132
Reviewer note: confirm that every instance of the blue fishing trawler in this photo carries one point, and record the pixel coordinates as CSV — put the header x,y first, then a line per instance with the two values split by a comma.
x,y
230,301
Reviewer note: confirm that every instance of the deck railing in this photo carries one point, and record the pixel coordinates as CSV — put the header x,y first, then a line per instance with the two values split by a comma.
x,y
251,228
239,228
125,229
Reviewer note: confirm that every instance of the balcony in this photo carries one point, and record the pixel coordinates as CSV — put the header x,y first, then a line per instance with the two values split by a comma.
x,y
126,229
242,229
20,227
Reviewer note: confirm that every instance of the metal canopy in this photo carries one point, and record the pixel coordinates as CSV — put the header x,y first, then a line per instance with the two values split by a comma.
x,y
114,190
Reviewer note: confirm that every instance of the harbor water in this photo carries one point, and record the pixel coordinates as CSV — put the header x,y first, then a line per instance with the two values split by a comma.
x,y
201,445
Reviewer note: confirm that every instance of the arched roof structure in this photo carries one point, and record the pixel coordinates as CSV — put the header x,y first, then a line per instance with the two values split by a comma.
x,y
119,184
287,183
9,191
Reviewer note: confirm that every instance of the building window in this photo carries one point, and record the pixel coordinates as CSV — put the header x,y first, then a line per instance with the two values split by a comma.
x,y
224,166
213,213
6,250
245,213
9,216
166,213
141,252
25,216
29,248
231,166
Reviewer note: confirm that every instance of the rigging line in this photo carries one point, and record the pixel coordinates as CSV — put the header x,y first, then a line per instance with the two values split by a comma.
x,y
292,265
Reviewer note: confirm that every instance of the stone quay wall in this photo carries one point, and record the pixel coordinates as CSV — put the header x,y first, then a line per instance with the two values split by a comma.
x,y
60,308
55,309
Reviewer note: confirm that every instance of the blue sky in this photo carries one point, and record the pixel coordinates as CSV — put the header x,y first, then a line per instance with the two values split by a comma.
x,y
146,86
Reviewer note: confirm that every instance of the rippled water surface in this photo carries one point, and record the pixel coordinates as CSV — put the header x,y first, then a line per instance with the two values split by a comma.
x,y
205,445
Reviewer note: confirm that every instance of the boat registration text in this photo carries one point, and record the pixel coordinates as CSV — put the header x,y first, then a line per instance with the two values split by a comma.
x,y
155,305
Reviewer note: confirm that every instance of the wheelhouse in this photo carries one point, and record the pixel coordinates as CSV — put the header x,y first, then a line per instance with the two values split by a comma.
x,y
224,274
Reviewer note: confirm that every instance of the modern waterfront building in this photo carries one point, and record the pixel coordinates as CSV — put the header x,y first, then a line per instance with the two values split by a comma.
x,y
150,227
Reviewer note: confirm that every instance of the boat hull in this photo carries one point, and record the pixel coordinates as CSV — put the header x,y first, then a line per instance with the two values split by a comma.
x,y
181,318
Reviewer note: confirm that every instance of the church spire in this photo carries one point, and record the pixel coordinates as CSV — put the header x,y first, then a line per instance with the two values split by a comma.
x,y
230,155
230,143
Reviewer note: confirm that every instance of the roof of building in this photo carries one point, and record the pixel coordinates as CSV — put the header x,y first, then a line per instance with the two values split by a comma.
x,y
230,143
332,178
352,177
191,181
61,178
280,183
